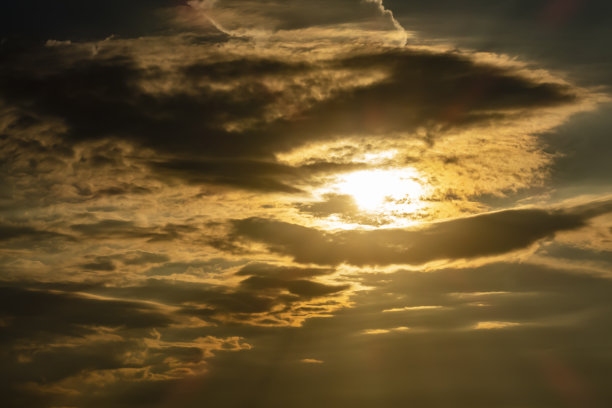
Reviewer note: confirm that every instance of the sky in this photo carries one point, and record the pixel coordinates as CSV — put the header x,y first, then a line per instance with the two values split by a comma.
x,y
338,203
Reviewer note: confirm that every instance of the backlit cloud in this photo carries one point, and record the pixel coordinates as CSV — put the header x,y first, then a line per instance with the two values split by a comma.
x,y
268,203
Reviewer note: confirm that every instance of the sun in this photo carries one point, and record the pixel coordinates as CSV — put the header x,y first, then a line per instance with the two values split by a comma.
x,y
383,190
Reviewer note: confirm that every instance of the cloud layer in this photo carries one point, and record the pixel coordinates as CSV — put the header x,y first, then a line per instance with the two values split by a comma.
x,y
283,203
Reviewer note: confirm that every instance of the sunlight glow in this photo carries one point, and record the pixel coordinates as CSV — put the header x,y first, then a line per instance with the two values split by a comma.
x,y
379,190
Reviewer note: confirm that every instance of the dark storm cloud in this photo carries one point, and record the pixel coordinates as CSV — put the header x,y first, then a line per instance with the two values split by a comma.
x,y
103,98
481,235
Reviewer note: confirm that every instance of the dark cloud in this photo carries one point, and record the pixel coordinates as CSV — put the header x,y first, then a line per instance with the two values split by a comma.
x,y
282,272
143,258
119,229
300,287
99,265
109,262
577,254
220,299
482,235
333,204
244,68
277,295
503,292
76,20
446,88
582,144
256,294
554,33
10,232
248,174
102,98
28,237
131,133
343,206
39,313
441,359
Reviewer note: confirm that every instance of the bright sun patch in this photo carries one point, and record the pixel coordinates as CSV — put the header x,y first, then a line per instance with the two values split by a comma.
x,y
383,190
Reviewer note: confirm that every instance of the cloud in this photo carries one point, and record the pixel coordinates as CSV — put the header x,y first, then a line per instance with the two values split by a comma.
x,y
231,115
342,206
119,229
296,20
273,280
247,174
75,20
481,235
199,268
332,204
168,189
280,298
36,313
561,318
59,344
300,287
30,237
551,33
495,325
281,272
143,258
9,232
99,265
